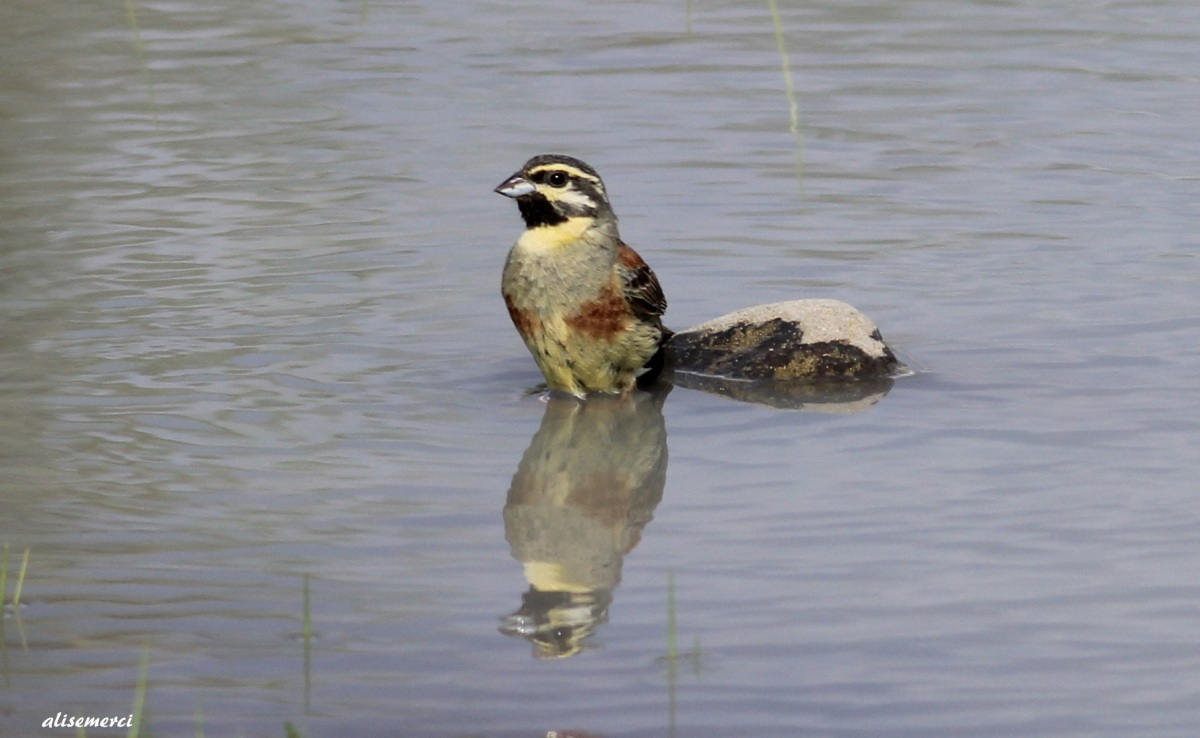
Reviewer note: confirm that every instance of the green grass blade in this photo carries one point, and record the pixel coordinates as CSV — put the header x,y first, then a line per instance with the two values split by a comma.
x,y
20,579
131,15
308,635
672,653
790,87
3,576
139,695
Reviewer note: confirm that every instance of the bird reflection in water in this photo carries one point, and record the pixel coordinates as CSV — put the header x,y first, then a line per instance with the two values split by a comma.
x,y
585,488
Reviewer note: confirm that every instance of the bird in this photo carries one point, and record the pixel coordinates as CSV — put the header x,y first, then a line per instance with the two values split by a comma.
x,y
587,305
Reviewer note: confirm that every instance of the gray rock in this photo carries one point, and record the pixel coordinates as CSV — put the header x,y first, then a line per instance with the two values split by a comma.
x,y
784,342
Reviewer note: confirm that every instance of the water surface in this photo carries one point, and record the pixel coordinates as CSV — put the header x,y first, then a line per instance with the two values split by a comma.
x,y
252,334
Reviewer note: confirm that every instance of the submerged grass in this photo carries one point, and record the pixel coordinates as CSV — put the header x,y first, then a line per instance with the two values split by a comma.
x,y
16,600
290,730
793,109
671,630
15,603
131,15
673,655
16,597
139,698
308,635
139,707
139,694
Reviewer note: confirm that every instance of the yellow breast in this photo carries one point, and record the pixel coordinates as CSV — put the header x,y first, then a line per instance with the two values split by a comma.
x,y
553,238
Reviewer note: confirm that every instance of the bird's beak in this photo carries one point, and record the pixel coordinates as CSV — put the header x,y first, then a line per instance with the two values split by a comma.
x,y
516,186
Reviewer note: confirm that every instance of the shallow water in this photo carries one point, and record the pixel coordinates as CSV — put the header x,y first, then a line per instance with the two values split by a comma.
x,y
252,335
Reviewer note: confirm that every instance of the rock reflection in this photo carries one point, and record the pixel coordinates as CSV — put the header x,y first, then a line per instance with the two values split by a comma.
x,y
585,488
829,396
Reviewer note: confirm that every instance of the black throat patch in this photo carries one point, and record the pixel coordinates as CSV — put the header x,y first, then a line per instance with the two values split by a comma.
x,y
538,211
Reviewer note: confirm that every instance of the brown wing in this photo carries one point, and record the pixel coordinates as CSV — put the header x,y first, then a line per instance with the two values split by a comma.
x,y
640,286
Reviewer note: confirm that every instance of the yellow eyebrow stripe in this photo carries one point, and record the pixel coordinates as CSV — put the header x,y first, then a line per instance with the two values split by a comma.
x,y
565,168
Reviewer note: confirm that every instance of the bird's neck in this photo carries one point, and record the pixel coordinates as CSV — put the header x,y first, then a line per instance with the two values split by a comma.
x,y
578,231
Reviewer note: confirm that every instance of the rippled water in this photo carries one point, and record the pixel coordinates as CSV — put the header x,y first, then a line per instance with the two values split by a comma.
x,y
252,335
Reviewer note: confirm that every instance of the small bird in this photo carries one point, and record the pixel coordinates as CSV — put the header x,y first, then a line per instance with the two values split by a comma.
x,y
588,307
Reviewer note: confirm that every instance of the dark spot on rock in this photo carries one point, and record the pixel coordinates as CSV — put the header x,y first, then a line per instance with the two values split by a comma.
x,y
773,350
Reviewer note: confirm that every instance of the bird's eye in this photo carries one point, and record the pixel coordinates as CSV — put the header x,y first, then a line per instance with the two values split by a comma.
x,y
557,179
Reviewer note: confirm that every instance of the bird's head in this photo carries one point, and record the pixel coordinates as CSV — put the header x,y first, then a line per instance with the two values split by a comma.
x,y
552,189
